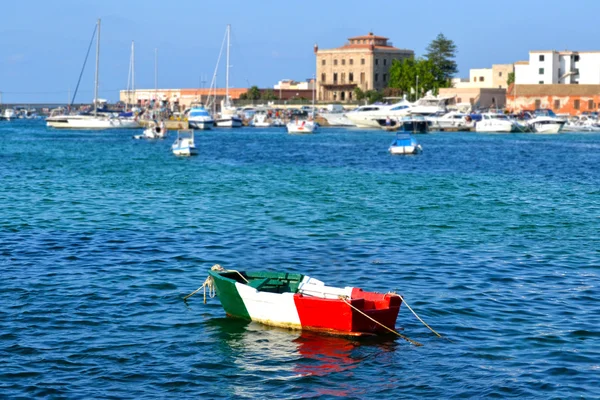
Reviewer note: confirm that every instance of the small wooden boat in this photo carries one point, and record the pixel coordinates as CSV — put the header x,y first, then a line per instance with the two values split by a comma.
x,y
298,301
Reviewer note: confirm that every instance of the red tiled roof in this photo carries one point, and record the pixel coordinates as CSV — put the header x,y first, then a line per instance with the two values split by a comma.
x,y
369,36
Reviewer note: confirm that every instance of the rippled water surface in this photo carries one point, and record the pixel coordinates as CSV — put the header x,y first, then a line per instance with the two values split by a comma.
x,y
493,239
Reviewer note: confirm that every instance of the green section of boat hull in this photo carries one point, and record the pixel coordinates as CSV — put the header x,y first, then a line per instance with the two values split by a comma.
x,y
229,297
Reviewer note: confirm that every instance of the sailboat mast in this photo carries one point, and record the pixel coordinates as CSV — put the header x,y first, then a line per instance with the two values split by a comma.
x,y
97,68
133,69
227,74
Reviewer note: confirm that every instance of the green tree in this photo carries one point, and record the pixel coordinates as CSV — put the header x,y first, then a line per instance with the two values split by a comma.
x,y
268,95
253,93
359,94
415,76
510,79
373,96
442,52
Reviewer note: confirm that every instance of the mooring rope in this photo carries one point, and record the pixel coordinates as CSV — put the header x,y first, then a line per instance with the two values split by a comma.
x,y
419,318
414,342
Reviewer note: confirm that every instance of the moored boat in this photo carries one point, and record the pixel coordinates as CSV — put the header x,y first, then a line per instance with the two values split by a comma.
x,y
298,301
184,145
301,126
405,143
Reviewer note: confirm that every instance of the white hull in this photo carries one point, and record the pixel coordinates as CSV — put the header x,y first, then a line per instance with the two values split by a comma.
x,y
495,127
229,122
336,119
400,150
185,151
301,127
201,125
90,122
364,122
546,128
262,124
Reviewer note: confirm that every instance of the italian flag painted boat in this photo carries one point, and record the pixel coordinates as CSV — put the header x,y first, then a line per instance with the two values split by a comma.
x,y
300,302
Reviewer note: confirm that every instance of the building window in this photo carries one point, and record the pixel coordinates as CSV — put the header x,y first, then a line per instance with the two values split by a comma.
x,y
323,62
334,62
576,58
323,76
376,77
576,104
335,77
556,104
343,96
541,71
538,104
350,77
591,104
481,79
362,61
541,82
362,77
542,57
500,74
384,61
474,79
351,61
343,62
385,77
377,61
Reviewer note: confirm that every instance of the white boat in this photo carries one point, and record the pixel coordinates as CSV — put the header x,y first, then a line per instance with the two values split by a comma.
x,y
184,145
93,120
496,123
336,119
261,120
405,143
229,117
302,126
153,131
431,105
8,114
200,118
545,121
451,120
368,116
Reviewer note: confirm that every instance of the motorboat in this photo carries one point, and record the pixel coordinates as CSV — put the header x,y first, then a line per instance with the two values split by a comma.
x,y
496,123
582,123
302,126
368,116
260,120
8,114
414,124
451,120
432,105
405,143
545,121
184,145
199,118
153,131
297,301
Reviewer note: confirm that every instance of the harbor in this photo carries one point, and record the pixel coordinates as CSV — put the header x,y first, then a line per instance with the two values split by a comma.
x,y
261,206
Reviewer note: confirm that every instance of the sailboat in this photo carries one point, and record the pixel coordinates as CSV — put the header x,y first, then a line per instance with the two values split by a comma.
x,y
228,117
95,119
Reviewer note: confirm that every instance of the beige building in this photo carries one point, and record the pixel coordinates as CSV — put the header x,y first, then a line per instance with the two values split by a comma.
x,y
476,98
363,62
486,78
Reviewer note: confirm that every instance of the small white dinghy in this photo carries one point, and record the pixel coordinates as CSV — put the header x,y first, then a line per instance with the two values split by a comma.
x,y
405,143
302,126
153,131
184,144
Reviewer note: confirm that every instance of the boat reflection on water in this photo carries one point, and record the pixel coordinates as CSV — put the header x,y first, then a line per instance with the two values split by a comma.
x,y
324,354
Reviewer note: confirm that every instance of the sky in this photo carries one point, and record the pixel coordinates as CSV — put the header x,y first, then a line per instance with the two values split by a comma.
x,y
44,43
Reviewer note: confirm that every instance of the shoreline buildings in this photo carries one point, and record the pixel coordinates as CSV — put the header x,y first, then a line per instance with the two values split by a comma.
x,y
363,62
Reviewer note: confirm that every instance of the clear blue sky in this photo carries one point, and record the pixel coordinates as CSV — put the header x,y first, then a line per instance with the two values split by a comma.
x,y
44,42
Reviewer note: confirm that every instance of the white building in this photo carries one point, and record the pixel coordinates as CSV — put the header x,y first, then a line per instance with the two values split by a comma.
x,y
289,84
559,67
485,78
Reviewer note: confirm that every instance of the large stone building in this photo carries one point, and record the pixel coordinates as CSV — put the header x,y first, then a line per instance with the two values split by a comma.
x,y
363,62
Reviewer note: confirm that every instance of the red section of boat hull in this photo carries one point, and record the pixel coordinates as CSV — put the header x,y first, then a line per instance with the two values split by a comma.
x,y
336,316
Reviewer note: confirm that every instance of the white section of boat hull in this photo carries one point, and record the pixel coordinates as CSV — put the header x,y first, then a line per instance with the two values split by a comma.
x,y
307,127
401,150
277,309
546,128
229,122
201,125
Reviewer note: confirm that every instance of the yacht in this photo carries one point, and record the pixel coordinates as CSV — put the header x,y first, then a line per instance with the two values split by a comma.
x,y
431,105
451,120
200,118
545,121
496,123
260,120
368,116
8,114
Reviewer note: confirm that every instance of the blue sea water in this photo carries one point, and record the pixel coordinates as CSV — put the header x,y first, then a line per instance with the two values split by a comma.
x,y
494,240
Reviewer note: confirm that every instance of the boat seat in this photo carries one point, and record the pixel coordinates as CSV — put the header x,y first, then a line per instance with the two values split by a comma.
x,y
258,283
